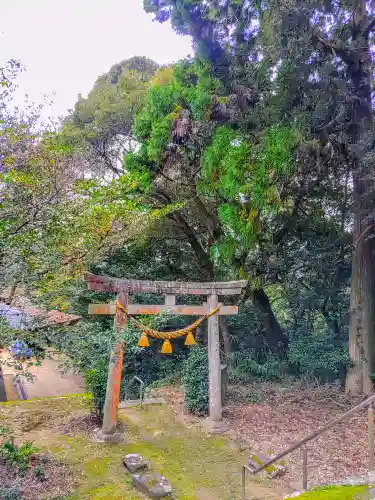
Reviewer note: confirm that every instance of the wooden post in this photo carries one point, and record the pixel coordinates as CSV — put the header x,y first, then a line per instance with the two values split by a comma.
x,y
304,468
371,437
243,483
214,366
112,397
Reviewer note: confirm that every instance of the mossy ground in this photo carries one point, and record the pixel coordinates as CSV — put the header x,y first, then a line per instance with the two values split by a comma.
x,y
198,466
336,493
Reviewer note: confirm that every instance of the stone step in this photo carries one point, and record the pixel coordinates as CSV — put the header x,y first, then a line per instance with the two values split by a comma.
x,y
131,403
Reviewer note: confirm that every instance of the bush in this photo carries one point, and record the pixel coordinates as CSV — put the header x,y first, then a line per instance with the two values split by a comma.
x,y
96,384
319,355
17,456
195,380
10,494
245,367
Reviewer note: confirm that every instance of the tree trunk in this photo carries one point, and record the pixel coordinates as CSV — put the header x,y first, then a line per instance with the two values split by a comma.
x,y
362,301
275,337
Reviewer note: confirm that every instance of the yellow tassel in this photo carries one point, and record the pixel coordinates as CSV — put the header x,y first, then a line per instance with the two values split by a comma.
x,y
143,341
166,347
190,340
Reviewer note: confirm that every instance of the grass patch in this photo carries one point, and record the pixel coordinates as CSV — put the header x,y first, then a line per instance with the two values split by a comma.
x,y
335,493
198,466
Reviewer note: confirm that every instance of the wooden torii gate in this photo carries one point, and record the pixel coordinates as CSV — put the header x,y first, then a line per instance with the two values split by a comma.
x,y
124,287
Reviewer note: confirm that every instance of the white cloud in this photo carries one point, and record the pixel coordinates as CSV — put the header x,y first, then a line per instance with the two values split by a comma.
x,y
66,44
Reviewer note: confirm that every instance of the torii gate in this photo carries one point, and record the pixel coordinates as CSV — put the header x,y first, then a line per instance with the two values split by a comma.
x,y
122,287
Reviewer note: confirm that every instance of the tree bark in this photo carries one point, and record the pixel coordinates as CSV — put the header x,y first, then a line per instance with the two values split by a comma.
x,y
275,337
362,301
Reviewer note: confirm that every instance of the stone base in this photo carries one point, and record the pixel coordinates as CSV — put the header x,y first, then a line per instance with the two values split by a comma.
x,y
99,436
215,426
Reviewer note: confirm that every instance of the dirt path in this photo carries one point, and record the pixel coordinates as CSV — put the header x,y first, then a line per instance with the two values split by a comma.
x,y
48,380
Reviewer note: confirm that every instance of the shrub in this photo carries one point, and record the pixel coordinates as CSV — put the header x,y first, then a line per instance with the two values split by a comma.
x,y
10,494
244,367
195,380
17,456
319,355
96,384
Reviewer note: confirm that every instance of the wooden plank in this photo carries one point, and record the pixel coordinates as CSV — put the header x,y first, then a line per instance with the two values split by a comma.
x,y
165,286
120,286
134,309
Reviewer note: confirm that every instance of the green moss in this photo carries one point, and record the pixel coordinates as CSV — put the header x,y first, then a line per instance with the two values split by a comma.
x,y
334,493
96,467
192,461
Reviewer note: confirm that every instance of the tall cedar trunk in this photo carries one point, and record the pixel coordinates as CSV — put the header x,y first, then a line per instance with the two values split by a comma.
x,y
275,337
362,302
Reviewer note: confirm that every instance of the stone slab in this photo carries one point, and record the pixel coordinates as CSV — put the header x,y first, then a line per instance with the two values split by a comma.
x,y
135,402
134,462
152,485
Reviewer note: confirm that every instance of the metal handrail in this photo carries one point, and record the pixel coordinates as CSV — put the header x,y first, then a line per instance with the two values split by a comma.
x,y
302,443
141,388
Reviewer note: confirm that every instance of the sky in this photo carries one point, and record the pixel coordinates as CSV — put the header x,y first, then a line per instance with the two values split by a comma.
x,y
65,45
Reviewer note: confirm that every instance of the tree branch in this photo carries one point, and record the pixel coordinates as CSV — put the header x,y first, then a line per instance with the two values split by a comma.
x,y
370,26
332,48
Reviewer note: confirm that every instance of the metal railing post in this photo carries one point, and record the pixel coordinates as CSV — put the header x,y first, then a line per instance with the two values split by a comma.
x,y
304,468
243,483
371,444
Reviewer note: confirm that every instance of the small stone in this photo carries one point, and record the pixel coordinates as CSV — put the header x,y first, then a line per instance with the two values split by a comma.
x,y
277,471
240,445
153,485
134,462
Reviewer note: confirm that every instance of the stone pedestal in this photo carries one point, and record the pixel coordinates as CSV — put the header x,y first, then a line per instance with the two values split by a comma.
x,y
99,436
215,426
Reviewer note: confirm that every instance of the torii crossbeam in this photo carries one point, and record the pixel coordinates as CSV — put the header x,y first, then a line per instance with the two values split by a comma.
x,y
124,287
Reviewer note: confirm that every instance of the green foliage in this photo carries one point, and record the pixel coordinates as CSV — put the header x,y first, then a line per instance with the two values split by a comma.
x,y
17,456
10,493
244,367
96,383
39,473
318,355
195,380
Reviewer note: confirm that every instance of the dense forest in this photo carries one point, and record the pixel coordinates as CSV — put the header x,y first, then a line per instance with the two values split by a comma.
x,y
252,160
